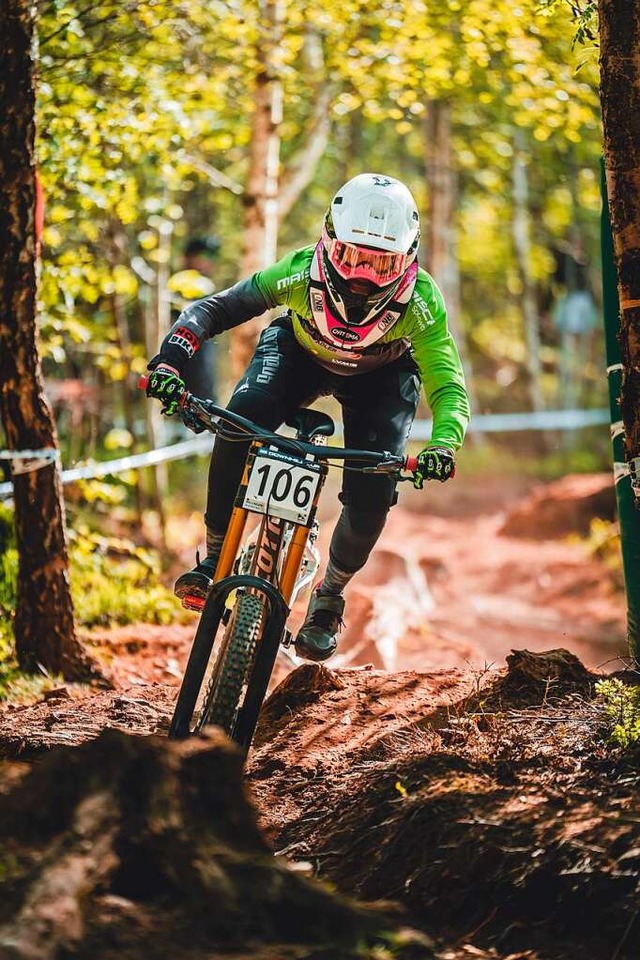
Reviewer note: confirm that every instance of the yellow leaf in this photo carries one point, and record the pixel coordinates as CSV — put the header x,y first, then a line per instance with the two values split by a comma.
x,y
125,281
402,790
117,438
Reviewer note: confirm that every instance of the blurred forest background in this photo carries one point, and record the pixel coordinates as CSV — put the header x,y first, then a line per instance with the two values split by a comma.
x,y
183,145
163,121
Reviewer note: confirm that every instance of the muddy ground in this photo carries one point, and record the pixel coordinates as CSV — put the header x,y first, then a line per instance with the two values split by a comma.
x,y
495,814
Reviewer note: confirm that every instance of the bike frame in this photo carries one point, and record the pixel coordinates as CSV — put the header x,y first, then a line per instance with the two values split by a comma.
x,y
270,536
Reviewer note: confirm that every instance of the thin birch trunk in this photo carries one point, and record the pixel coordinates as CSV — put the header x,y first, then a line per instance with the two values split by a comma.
x,y
123,341
261,196
521,229
440,230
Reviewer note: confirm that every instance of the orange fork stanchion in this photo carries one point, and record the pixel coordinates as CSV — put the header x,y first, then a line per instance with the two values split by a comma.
x,y
298,543
229,551
293,561
238,522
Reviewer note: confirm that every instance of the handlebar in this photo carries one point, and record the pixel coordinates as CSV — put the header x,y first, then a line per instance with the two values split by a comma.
x,y
205,410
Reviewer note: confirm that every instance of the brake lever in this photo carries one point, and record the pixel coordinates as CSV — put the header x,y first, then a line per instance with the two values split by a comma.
x,y
385,467
194,421
394,466
190,421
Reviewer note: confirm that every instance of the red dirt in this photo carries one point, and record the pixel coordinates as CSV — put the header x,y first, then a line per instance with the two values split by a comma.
x,y
438,594
490,806
563,507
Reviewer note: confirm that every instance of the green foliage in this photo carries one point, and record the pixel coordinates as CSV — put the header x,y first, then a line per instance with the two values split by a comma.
x,y
622,710
604,542
8,570
137,100
13,684
112,580
584,14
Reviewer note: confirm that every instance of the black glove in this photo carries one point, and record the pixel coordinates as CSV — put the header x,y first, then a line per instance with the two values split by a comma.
x,y
434,463
165,385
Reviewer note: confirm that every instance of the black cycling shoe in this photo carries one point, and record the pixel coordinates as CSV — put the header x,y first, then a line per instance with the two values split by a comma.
x,y
316,638
192,587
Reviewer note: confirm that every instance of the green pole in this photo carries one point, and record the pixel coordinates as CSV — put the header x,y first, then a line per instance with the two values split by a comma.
x,y
628,502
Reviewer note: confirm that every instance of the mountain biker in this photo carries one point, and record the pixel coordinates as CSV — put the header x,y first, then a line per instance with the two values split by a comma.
x,y
363,323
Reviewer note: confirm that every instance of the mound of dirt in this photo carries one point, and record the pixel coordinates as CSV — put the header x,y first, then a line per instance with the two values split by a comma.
x,y
566,506
134,847
72,714
499,817
533,679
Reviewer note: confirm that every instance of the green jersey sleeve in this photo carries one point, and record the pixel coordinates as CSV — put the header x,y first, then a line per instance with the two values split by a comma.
x,y
438,360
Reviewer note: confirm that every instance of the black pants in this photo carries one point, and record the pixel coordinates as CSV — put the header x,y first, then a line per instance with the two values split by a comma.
x,y
377,408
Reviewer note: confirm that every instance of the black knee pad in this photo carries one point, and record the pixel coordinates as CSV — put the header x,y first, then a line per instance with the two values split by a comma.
x,y
258,405
355,536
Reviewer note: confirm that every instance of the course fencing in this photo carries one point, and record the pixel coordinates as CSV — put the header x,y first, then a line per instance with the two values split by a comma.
x,y
202,445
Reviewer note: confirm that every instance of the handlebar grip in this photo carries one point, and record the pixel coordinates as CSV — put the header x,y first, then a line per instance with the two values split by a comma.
x,y
143,382
411,464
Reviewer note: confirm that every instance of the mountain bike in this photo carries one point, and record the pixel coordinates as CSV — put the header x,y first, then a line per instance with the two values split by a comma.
x,y
243,619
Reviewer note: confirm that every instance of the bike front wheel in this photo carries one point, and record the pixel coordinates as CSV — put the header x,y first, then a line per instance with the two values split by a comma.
x,y
232,669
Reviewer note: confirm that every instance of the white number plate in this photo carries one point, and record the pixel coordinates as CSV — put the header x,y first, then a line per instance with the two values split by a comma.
x,y
282,488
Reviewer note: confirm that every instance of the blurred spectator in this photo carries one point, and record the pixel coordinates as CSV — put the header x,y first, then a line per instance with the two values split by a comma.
x,y
575,317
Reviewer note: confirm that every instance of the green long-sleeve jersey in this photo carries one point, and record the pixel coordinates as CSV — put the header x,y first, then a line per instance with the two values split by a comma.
x,y
422,328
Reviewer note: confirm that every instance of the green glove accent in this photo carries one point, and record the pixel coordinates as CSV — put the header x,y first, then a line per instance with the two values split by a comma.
x,y
166,387
434,463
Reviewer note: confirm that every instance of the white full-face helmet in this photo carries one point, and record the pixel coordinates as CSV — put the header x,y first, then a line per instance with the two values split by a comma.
x,y
370,239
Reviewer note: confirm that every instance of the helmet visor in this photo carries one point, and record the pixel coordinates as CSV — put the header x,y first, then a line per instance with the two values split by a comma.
x,y
354,262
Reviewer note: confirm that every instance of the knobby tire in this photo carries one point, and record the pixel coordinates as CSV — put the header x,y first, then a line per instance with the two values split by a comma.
x,y
232,669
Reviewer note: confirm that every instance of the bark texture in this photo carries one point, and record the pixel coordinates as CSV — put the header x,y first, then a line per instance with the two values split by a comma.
x,y
620,97
44,625
150,849
261,196
521,228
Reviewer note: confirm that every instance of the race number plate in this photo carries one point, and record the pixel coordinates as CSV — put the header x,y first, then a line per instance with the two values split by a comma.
x,y
282,486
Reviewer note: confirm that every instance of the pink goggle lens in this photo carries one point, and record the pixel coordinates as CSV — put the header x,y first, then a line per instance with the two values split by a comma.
x,y
354,262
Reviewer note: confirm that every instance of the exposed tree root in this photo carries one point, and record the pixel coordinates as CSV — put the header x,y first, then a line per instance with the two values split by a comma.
x,y
135,847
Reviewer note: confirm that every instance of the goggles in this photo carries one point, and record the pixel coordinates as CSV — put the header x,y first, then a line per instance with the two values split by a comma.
x,y
353,262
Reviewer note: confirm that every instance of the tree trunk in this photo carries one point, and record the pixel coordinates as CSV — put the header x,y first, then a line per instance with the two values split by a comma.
x,y
441,234
261,196
44,625
620,96
303,164
522,245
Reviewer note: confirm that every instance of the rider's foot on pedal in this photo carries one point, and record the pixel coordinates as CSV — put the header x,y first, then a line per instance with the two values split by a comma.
x,y
192,587
316,638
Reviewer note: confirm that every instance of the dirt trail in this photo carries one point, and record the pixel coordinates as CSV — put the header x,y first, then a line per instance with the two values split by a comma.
x,y
442,592
439,593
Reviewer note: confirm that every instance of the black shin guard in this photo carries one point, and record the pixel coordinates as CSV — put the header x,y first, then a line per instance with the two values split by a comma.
x,y
355,535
